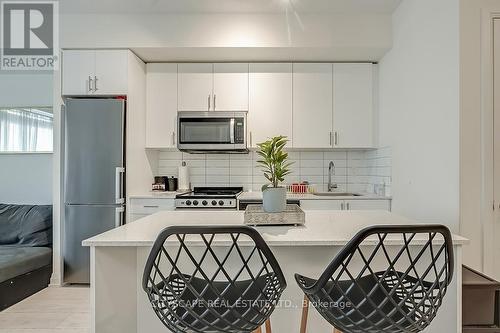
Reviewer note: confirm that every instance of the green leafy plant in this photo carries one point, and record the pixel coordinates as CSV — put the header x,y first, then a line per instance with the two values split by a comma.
x,y
274,160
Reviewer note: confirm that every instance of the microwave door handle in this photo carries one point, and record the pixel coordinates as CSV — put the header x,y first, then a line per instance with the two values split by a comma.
x,y
231,130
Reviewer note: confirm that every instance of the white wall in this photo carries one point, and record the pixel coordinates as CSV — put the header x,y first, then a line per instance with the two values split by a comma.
x,y
419,110
26,178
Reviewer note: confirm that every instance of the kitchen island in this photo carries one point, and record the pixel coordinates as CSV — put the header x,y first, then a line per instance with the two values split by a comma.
x,y
118,303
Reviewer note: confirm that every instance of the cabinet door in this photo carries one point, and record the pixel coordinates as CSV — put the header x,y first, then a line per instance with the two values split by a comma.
x,y
78,68
230,87
321,204
195,83
353,105
368,205
111,72
270,102
161,105
312,105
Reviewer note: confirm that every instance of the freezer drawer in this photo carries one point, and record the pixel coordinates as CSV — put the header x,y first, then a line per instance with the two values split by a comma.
x,y
82,222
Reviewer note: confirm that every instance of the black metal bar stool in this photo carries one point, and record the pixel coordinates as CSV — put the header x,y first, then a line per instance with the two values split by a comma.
x,y
212,279
374,285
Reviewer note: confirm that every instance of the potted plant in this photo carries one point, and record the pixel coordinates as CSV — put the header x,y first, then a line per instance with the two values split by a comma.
x,y
276,167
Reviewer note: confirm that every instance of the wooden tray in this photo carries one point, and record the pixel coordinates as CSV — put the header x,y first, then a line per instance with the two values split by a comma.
x,y
293,215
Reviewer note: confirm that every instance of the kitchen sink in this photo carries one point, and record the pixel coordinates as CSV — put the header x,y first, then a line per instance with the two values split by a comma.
x,y
337,194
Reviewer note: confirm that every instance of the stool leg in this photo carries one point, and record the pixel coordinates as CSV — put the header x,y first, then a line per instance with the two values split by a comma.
x,y
268,326
305,311
259,330
336,330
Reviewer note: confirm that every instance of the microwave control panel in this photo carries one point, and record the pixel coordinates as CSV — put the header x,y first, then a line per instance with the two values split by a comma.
x,y
239,130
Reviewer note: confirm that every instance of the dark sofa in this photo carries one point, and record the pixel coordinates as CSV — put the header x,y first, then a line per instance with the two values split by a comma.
x,y
25,251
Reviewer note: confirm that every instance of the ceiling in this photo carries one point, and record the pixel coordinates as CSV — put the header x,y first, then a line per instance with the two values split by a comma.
x,y
228,6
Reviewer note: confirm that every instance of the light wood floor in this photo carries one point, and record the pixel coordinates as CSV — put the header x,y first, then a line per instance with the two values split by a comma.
x,y
54,309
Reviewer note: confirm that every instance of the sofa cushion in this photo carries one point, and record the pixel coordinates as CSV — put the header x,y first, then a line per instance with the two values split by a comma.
x,y
26,225
17,260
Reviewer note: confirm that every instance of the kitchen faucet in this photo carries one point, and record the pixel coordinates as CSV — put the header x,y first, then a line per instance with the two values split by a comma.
x,y
331,171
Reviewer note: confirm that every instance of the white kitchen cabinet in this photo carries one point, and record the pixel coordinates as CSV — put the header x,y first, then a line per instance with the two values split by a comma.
x,y
321,204
312,105
141,207
358,204
195,87
77,72
95,72
353,105
230,92
161,105
111,72
270,102
382,204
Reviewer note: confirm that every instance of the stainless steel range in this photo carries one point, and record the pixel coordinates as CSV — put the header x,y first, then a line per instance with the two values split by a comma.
x,y
209,198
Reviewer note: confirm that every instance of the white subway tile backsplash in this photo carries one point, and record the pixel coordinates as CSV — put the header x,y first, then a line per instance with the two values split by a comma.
x,y
355,170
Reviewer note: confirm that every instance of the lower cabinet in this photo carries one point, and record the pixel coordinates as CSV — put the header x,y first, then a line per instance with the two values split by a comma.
x,y
331,204
142,207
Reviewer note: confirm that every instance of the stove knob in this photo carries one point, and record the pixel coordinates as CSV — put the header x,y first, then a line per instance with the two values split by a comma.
x,y
221,203
214,203
188,202
195,202
204,202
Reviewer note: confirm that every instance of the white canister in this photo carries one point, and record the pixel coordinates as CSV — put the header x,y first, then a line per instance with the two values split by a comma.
x,y
184,177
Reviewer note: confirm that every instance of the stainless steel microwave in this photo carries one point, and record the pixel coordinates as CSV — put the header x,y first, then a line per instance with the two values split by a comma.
x,y
212,132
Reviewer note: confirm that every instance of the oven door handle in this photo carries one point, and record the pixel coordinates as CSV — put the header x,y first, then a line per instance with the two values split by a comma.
x,y
231,130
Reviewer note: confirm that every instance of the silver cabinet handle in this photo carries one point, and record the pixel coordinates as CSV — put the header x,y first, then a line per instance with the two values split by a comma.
x,y
208,102
118,185
95,83
90,84
330,138
348,206
151,206
215,98
173,138
250,138
119,216
341,206
336,138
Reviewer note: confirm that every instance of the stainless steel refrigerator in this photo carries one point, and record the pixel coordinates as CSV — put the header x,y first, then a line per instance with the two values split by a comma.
x,y
94,166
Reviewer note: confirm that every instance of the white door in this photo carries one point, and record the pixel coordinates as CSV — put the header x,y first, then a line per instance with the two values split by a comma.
x,y
111,72
270,102
195,82
368,205
78,72
230,87
312,105
161,105
353,105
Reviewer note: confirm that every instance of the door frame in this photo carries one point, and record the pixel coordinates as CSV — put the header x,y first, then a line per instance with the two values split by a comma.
x,y
489,207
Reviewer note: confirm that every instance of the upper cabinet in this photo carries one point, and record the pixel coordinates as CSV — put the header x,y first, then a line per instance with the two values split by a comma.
x,y
270,102
213,87
94,72
161,105
195,87
230,87
312,105
353,105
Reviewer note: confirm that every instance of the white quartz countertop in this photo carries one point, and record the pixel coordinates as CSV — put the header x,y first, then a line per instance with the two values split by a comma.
x,y
322,228
258,196
308,196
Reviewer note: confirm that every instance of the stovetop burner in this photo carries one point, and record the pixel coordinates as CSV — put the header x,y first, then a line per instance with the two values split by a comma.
x,y
209,197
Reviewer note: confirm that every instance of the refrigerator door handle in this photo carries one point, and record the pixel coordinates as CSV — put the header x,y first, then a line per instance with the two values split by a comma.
x,y
119,216
118,185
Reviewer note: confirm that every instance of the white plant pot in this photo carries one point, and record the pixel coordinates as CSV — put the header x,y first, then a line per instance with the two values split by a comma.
x,y
274,199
